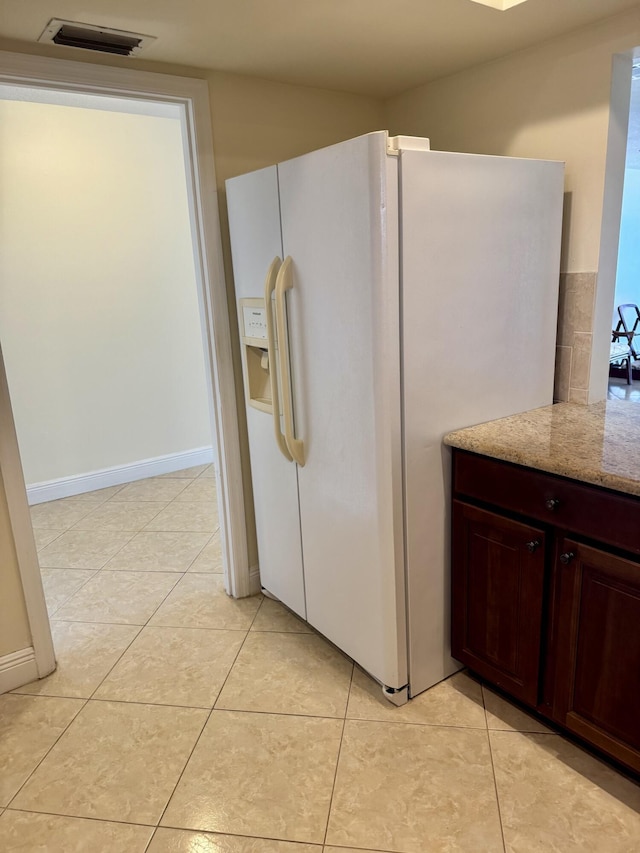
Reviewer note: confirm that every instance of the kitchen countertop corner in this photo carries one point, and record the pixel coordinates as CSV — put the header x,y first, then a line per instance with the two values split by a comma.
x,y
597,444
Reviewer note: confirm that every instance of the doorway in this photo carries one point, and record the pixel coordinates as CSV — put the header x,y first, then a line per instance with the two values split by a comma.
x,y
614,367
101,336
99,316
624,373
190,98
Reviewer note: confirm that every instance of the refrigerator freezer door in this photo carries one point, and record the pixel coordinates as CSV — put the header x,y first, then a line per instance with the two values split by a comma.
x,y
480,260
339,225
254,220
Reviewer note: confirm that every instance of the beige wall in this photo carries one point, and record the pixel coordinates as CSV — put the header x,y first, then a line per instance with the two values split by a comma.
x,y
14,625
552,102
99,316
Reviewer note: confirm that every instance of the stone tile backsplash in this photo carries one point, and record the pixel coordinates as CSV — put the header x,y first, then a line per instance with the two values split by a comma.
x,y
575,332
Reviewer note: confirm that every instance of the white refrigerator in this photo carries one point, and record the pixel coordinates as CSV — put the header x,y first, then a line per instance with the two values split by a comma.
x,y
386,295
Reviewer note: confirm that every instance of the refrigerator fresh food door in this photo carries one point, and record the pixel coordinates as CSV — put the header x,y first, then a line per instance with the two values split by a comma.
x,y
339,226
480,263
254,220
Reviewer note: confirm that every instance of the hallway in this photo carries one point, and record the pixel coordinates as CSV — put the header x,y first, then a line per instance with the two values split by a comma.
x,y
234,728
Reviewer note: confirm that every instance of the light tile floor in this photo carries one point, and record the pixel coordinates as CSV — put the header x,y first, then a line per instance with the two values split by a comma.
x,y
180,720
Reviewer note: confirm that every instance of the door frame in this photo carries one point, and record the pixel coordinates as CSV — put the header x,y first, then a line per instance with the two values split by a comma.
x,y
619,115
193,96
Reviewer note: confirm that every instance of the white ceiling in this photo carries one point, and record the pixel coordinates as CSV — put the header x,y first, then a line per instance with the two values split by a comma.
x,y
373,47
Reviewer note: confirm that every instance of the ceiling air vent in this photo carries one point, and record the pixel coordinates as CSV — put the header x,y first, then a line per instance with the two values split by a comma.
x,y
90,37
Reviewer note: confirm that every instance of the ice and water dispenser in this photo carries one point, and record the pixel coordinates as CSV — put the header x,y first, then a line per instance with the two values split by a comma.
x,y
255,351
266,363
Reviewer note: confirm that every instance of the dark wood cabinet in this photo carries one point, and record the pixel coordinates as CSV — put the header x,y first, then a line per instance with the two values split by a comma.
x,y
546,597
497,598
597,673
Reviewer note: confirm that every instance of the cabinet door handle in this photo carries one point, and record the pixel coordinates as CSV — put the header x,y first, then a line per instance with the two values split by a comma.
x,y
532,546
552,504
566,558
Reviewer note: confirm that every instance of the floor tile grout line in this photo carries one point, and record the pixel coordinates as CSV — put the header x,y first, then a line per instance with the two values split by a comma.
x,y
226,678
106,699
495,786
414,723
484,707
130,539
197,741
64,731
110,557
111,530
60,532
44,503
101,571
144,625
235,660
144,529
209,532
150,841
95,698
363,850
137,634
165,597
84,817
133,639
186,480
335,775
67,600
234,835
202,473
206,545
493,769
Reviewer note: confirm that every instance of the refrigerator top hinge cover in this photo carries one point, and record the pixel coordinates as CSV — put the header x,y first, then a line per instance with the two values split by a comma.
x,y
396,144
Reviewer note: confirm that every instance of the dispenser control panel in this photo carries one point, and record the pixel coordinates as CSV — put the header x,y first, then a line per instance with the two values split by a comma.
x,y
254,320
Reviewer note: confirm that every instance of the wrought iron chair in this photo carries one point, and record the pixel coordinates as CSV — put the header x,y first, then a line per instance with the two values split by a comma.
x,y
622,349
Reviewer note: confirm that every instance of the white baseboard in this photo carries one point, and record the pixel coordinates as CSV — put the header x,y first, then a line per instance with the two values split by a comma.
x,y
17,669
254,580
78,484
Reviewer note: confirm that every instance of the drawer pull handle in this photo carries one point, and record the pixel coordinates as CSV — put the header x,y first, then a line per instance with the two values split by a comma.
x,y
566,558
552,504
532,546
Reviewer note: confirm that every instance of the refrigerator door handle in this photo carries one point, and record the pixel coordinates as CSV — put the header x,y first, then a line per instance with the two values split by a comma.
x,y
269,287
284,282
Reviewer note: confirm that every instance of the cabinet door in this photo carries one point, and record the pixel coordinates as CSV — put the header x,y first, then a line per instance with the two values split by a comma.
x,y
498,587
597,685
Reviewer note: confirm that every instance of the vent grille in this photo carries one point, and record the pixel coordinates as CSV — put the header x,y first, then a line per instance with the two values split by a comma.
x,y
90,37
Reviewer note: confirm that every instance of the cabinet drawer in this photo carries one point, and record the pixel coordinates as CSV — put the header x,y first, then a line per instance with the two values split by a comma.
x,y
586,510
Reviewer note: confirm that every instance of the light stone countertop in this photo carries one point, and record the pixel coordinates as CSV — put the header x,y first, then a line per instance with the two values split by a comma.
x,y
597,444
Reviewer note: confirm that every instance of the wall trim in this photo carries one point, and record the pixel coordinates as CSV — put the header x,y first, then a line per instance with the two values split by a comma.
x,y
17,669
78,484
12,477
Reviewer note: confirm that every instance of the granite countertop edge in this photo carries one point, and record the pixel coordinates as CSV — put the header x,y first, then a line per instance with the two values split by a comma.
x,y
480,440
